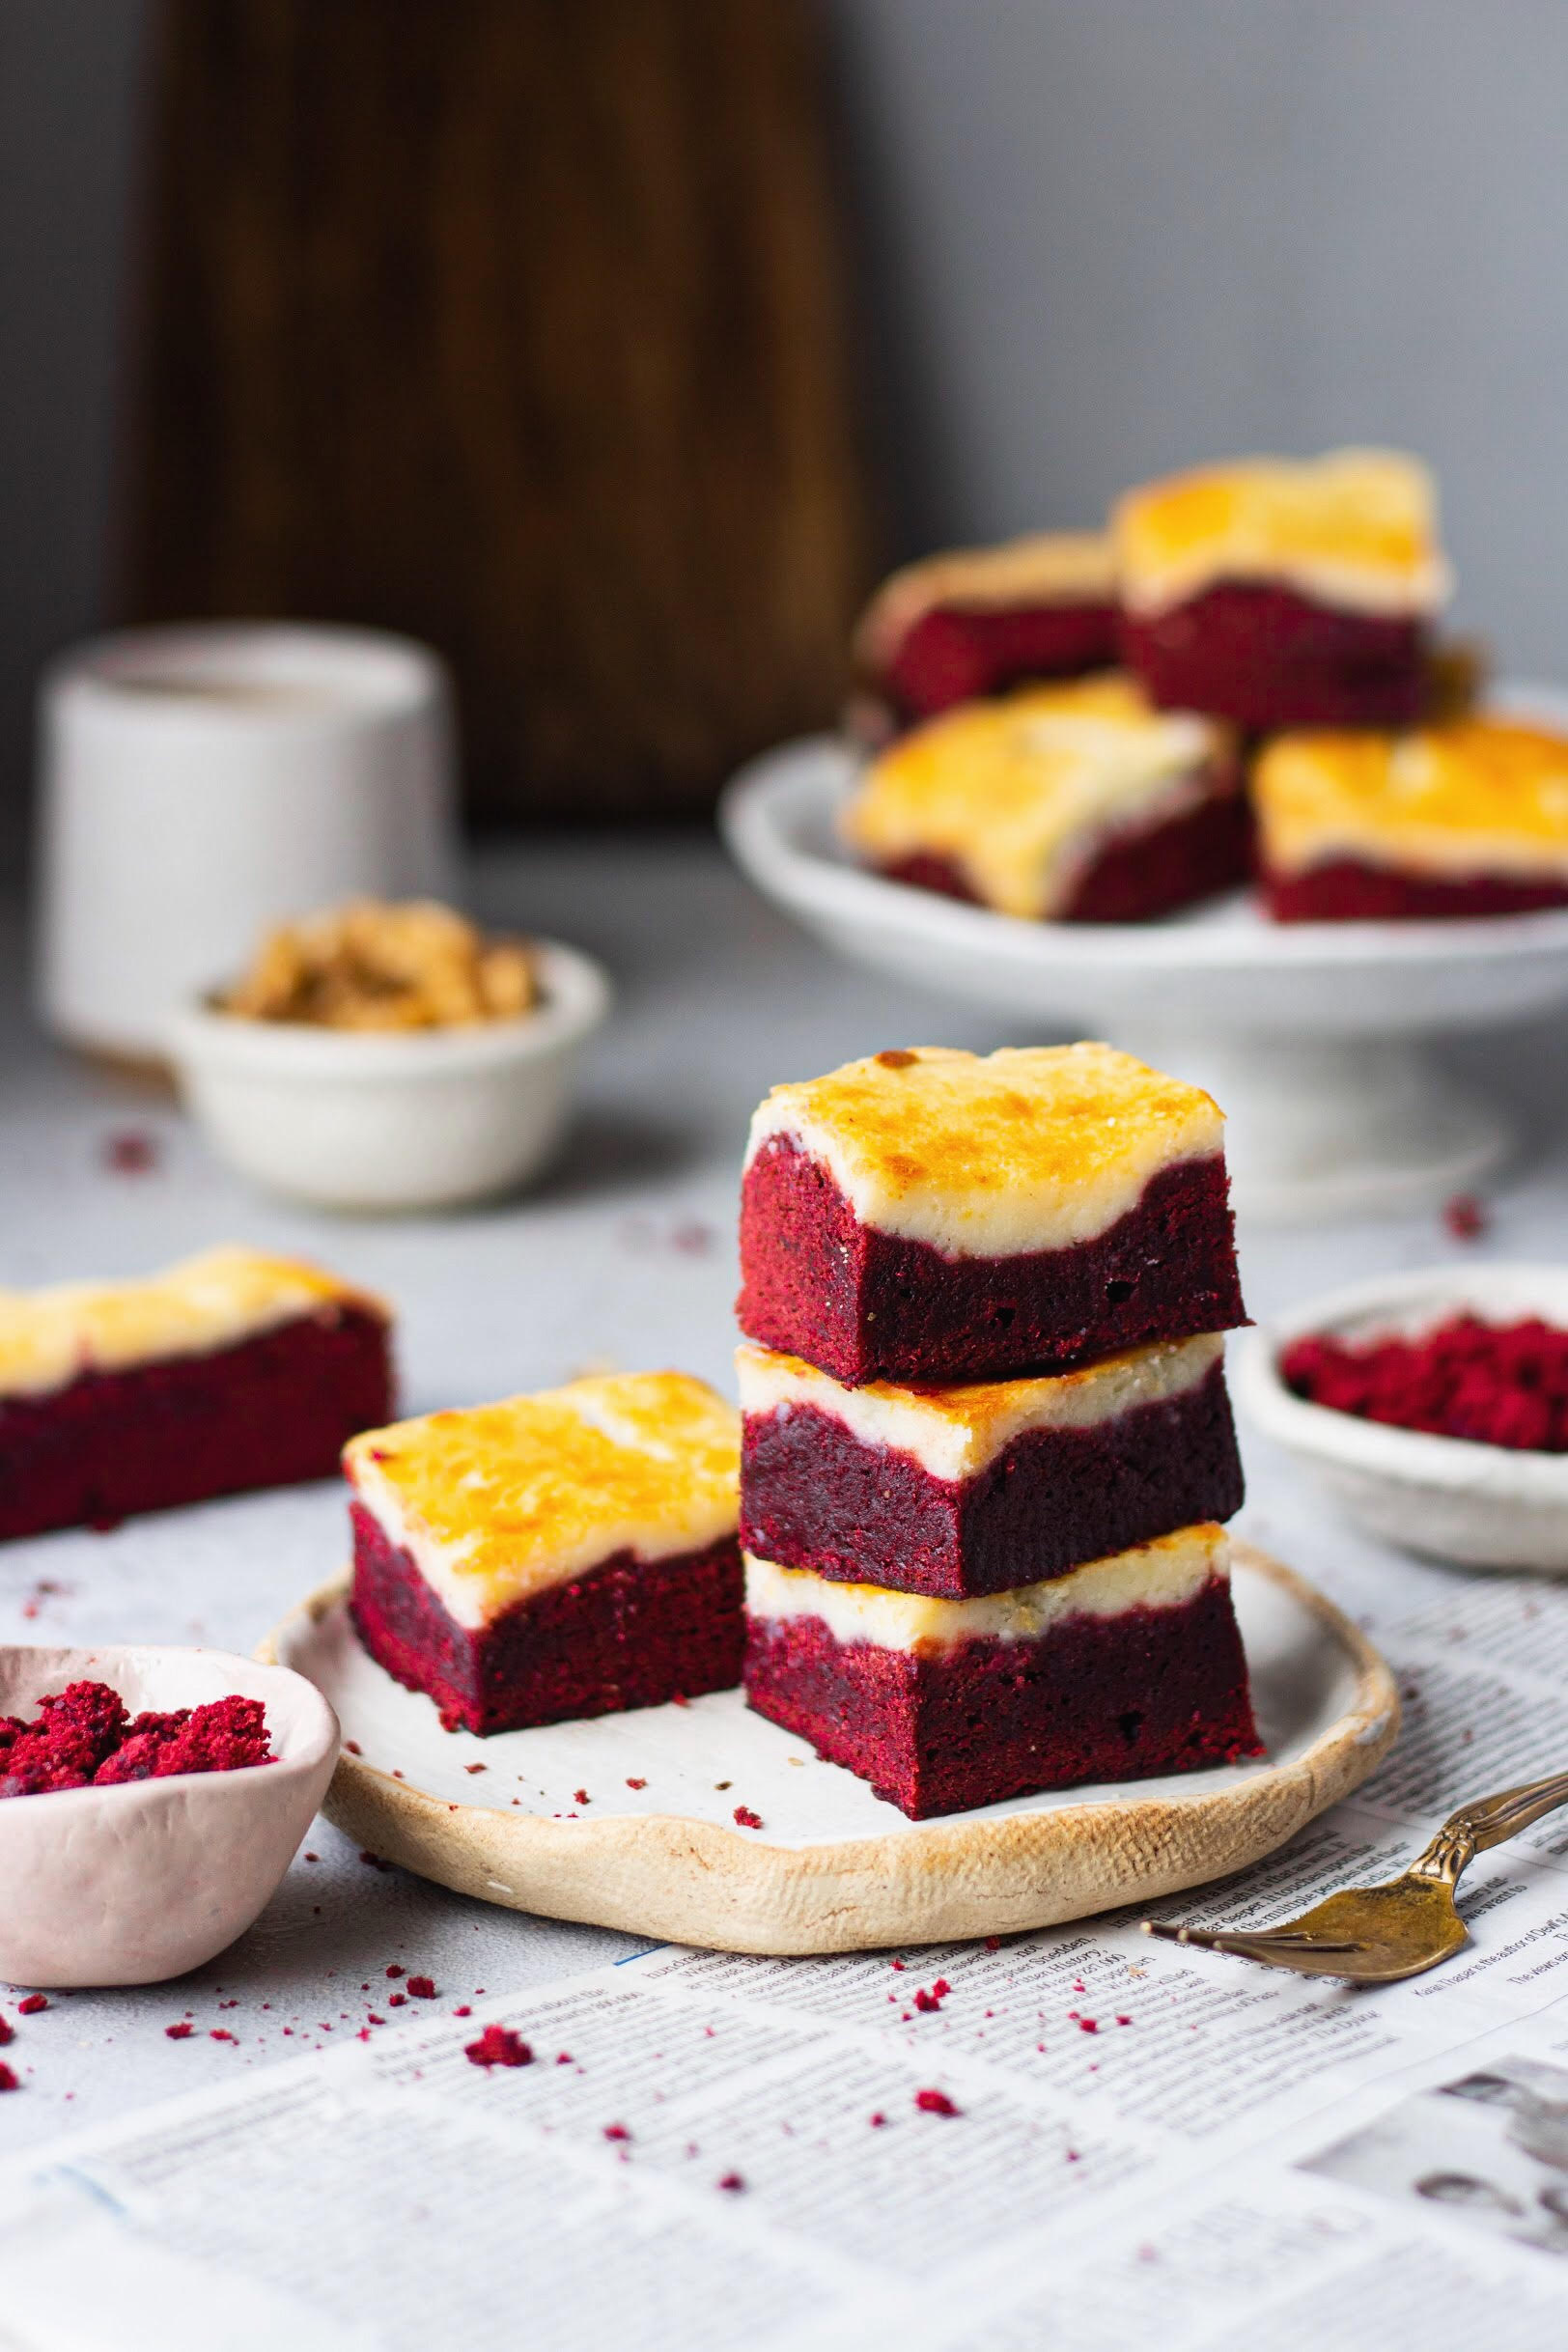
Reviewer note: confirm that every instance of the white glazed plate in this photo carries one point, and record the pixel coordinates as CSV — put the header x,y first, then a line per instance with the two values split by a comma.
x,y
833,1868
1309,1034
1484,1506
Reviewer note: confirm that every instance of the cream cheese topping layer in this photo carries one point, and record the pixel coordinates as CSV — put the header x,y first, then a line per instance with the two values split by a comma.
x,y
1482,797
1357,530
49,1338
1161,1575
1031,1148
1043,568
1020,794
502,1502
955,1432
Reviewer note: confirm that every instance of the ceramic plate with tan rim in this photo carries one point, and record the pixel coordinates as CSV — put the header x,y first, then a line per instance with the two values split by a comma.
x,y
628,1820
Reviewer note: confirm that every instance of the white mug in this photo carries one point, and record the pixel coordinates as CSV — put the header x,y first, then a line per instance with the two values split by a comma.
x,y
201,783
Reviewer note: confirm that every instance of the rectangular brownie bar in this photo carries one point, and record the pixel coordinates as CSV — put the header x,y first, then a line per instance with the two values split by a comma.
x,y
1279,594
1467,819
931,1215
1077,804
1128,1666
976,1490
568,1554
974,621
227,1371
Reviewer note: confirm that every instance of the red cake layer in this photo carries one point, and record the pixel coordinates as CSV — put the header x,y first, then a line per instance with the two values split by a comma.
x,y
1267,658
867,1306
1344,890
270,1410
812,1496
954,653
627,1634
1098,1698
1142,872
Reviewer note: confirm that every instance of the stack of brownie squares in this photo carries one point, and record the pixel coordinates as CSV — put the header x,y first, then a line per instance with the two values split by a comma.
x,y
987,1447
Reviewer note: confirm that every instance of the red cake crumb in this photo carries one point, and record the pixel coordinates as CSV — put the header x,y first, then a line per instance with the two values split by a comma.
x,y
82,1737
580,1796
375,1861
31,2006
371,2017
936,2103
423,1988
732,2181
353,1748
747,1818
563,2057
220,2033
636,1784
1465,1218
132,1152
396,2001
877,2120
8,2034
463,2009
395,1968
180,2032
472,1768
994,1944
8,2081
1493,1383
927,2003
498,2046
616,2131
1124,2021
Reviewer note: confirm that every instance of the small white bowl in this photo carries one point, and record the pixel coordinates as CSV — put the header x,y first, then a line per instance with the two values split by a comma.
x,y
138,1883
423,1120
1484,1506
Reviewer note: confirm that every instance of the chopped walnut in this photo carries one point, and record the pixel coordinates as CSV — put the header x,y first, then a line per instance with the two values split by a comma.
x,y
371,966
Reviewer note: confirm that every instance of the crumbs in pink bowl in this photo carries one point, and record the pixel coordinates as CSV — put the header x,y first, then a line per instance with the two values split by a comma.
x,y
1493,1384
82,1737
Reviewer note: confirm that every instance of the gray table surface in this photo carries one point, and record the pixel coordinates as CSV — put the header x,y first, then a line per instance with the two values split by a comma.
x,y
624,1256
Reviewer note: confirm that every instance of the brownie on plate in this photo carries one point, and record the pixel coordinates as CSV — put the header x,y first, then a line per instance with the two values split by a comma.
x,y
960,1491
1124,1667
1281,594
932,1216
567,1554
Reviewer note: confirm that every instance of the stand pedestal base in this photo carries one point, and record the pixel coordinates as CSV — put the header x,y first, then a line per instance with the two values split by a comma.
x,y
1320,1130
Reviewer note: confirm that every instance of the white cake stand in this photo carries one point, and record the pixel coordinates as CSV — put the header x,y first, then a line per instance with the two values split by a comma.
x,y
1310,1036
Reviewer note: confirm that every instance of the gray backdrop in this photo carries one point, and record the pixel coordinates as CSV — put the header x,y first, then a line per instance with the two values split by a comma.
x,y
1092,238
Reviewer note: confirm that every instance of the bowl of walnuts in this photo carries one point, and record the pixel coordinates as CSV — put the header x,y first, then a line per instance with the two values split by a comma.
x,y
378,1056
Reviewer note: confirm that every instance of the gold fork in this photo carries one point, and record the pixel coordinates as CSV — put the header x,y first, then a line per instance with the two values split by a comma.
x,y
1375,1935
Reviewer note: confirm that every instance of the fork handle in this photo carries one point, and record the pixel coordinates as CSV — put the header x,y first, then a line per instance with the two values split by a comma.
x,y
1489,1821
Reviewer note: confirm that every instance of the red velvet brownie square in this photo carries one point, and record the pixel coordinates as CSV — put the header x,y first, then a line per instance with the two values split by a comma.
x,y
1463,820
231,1370
1127,1666
568,1554
932,1216
1076,804
1284,595
976,619
974,1489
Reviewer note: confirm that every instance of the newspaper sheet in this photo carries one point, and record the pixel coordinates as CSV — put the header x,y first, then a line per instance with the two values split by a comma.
x,y
1079,2137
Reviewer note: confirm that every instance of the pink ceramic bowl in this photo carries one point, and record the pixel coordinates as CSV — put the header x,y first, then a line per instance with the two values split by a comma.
x,y
134,1884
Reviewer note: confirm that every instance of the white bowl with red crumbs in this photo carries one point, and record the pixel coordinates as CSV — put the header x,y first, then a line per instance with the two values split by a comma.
x,y
1434,1405
151,1802
390,1057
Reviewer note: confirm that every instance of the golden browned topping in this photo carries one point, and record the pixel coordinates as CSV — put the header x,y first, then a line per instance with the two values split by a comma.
x,y
372,966
1482,795
1357,528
